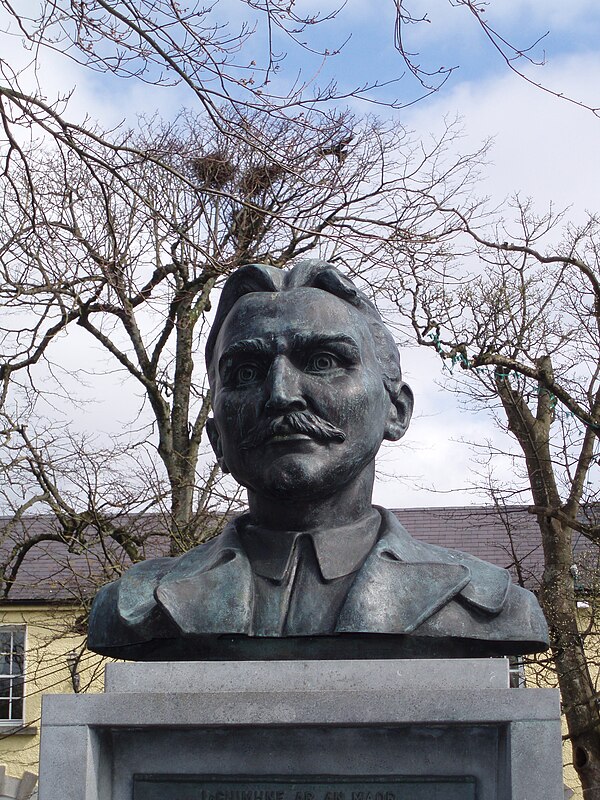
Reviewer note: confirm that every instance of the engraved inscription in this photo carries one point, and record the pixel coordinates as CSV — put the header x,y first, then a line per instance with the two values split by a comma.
x,y
210,787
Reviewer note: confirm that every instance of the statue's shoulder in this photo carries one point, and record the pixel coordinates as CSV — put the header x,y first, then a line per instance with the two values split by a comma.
x,y
126,612
488,586
490,591
514,608
125,606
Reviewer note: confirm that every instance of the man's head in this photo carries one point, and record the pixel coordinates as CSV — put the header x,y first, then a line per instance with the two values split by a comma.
x,y
305,379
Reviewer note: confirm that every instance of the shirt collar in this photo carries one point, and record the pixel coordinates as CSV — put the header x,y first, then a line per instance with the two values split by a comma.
x,y
339,551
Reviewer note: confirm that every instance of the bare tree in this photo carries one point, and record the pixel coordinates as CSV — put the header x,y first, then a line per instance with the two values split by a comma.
x,y
130,263
518,322
225,54
230,59
518,57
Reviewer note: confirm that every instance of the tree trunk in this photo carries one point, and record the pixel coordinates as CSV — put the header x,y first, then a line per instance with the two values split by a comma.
x,y
183,468
557,595
579,702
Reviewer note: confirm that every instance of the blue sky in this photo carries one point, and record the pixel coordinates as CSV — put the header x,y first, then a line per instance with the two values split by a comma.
x,y
544,147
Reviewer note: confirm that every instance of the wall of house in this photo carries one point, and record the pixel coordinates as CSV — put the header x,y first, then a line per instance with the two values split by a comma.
x,y
50,646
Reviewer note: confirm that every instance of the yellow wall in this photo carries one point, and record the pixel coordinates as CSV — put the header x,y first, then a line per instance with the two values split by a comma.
x,y
570,776
48,640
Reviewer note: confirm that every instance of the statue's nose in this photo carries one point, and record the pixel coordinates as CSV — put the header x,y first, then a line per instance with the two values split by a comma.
x,y
284,387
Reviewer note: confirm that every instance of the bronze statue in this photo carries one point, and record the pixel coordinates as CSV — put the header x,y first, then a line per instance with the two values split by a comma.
x,y
306,384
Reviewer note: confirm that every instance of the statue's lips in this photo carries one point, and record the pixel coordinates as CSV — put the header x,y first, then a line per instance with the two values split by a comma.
x,y
292,436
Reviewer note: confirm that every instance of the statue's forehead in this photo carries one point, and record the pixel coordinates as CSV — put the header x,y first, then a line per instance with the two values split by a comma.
x,y
303,309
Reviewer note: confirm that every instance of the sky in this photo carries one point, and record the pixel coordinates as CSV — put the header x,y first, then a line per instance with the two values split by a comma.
x,y
544,148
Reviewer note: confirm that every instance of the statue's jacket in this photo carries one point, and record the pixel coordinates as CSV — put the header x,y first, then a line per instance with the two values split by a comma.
x,y
435,600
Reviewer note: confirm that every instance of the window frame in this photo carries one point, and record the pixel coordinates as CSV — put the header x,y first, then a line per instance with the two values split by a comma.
x,y
12,676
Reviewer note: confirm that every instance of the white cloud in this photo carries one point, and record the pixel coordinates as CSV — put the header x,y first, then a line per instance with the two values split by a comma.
x,y
435,464
544,147
552,13
512,18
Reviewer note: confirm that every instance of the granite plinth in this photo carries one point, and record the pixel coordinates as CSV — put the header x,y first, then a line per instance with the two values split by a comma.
x,y
263,721
319,676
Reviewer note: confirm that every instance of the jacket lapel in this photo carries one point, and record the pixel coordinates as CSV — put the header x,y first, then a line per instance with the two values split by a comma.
x,y
390,596
209,590
402,583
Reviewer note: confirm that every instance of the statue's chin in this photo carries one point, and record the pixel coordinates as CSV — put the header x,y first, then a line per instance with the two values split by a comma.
x,y
300,480
291,486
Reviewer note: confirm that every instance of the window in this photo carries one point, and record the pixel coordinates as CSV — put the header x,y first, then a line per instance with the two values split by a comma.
x,y
12,672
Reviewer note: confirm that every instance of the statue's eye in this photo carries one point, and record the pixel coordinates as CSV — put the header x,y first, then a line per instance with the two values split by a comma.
x,y
322,362
246,373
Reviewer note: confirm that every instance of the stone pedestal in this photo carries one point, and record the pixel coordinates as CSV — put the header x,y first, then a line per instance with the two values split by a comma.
x,y
313,730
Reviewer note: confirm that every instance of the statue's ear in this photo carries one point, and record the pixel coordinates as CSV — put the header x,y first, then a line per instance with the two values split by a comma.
x,y
401,408
215,441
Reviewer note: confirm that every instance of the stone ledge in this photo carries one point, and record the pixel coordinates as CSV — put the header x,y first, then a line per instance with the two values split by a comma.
x,y
293,708
278,676
21,730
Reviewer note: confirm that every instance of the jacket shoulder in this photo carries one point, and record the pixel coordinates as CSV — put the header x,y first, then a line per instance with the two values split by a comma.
x,y
126,611
513,613
123,608
494,606
488,586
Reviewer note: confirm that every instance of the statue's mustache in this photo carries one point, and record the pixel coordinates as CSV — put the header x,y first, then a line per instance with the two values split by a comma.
x,y
293,422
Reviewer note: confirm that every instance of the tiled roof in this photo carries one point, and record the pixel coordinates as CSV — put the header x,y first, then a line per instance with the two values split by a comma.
x,y
53,572
50,572
481,531
509,538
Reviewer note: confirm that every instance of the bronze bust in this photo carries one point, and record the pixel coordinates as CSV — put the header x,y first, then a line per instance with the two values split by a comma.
x,y
306,384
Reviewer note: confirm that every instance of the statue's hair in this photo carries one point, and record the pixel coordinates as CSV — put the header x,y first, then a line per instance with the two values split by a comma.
x,y
314,274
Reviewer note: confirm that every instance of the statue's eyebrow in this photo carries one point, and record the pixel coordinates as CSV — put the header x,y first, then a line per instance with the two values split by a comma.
x,y
325,340
300,341
256,345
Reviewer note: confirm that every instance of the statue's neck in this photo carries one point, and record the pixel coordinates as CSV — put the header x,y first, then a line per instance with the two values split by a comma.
x,y
303,513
